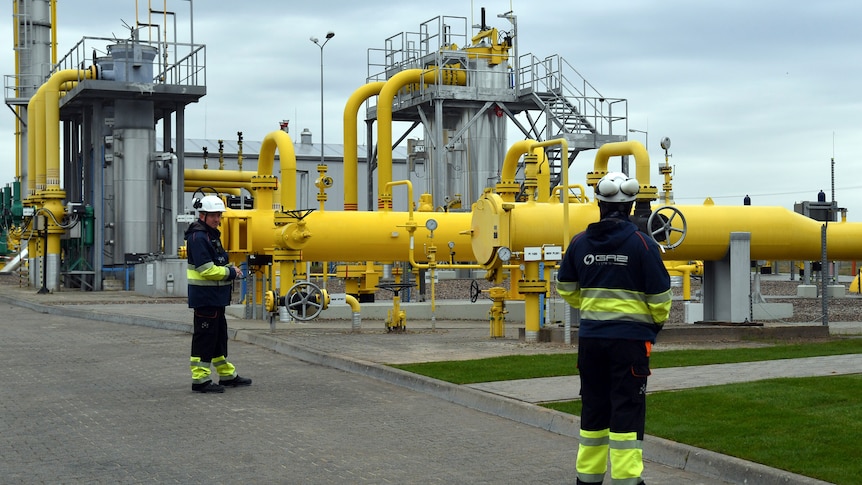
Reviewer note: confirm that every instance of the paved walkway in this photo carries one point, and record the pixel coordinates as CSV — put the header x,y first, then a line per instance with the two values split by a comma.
x,y
290,407
566,388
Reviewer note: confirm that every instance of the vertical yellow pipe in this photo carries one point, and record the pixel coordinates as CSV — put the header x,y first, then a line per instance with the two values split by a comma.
x,y
510,162
280,140
37,103
531,303
384,127
33,132
52,120
564,161
351,142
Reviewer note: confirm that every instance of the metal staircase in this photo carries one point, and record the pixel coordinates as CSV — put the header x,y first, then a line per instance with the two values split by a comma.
x,y
571,108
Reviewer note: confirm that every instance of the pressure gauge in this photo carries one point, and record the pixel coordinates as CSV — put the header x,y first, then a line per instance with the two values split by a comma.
x,y
431,225
504,253
665,143
451,244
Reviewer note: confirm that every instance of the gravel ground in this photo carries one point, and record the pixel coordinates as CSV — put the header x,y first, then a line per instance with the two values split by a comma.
x,y
847,309
774,290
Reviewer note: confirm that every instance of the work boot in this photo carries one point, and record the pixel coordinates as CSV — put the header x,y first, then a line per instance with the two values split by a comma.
x,y
208,386
235,382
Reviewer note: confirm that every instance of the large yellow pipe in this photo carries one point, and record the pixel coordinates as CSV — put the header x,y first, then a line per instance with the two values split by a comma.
x,y
384,119
513,156
35,142
776,233
52,120
618,149
197,175
351,142
373,236
279,140
225,188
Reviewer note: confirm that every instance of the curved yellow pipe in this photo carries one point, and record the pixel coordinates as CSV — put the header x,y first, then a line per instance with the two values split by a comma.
x,y
513,155
281,141
52,120
353,302
351,142
384,119
618,149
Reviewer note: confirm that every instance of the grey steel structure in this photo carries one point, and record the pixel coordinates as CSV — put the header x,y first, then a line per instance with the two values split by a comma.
x,y
108,134
465,126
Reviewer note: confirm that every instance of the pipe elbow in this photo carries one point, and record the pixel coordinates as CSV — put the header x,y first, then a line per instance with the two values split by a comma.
x,y
353,302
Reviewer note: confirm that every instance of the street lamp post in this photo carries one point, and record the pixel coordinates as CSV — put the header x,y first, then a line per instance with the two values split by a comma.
x,y
646,137
329,35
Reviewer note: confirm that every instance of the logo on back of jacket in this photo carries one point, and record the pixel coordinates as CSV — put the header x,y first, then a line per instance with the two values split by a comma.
x,y
606,259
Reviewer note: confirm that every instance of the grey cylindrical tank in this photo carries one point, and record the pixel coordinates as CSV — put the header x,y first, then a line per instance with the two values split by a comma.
x,y
473,162
34,59
133,62
134,179
135,193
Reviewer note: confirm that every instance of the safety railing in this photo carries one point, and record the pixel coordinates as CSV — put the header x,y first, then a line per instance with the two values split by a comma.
x,y
558,83
407,50
188,67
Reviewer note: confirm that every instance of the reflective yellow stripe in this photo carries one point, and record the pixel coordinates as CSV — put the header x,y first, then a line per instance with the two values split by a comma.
x,y
224,368
659,306
570,292
200,370
624,305
615,316
592,455
568,285
626,452
203,267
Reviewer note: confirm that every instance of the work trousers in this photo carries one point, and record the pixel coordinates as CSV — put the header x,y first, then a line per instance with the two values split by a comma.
x,y
209,345
613,375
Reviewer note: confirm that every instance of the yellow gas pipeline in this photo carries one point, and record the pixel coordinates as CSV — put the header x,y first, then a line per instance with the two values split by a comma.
x,y
43,158
351,157
384,122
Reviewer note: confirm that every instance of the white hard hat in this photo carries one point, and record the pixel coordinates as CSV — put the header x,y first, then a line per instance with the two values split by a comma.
x,y
617,187
210,203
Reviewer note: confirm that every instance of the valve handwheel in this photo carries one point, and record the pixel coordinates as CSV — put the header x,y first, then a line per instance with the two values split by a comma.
x,y
661,228
474,291
304,301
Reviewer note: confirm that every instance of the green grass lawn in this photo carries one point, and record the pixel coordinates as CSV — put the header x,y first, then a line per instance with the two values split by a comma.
x,y
552,365
809,426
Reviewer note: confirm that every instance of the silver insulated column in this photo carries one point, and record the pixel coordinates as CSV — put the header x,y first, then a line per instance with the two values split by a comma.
x,y
468,164
135,211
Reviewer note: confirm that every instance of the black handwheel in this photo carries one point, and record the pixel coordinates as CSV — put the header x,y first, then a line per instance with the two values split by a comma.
x,y
474,291
664,229
304,301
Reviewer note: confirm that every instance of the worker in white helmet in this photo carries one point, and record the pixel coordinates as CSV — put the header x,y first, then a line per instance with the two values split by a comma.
x,y
614,275
210,276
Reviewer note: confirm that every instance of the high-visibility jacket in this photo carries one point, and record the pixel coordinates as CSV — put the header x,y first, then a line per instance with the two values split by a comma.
x,y
209,276
615,276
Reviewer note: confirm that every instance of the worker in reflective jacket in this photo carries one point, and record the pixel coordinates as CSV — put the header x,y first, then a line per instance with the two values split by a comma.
x,y
614,275
210,275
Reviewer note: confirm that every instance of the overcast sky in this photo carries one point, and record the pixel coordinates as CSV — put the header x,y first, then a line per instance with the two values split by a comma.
x,y
756,96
